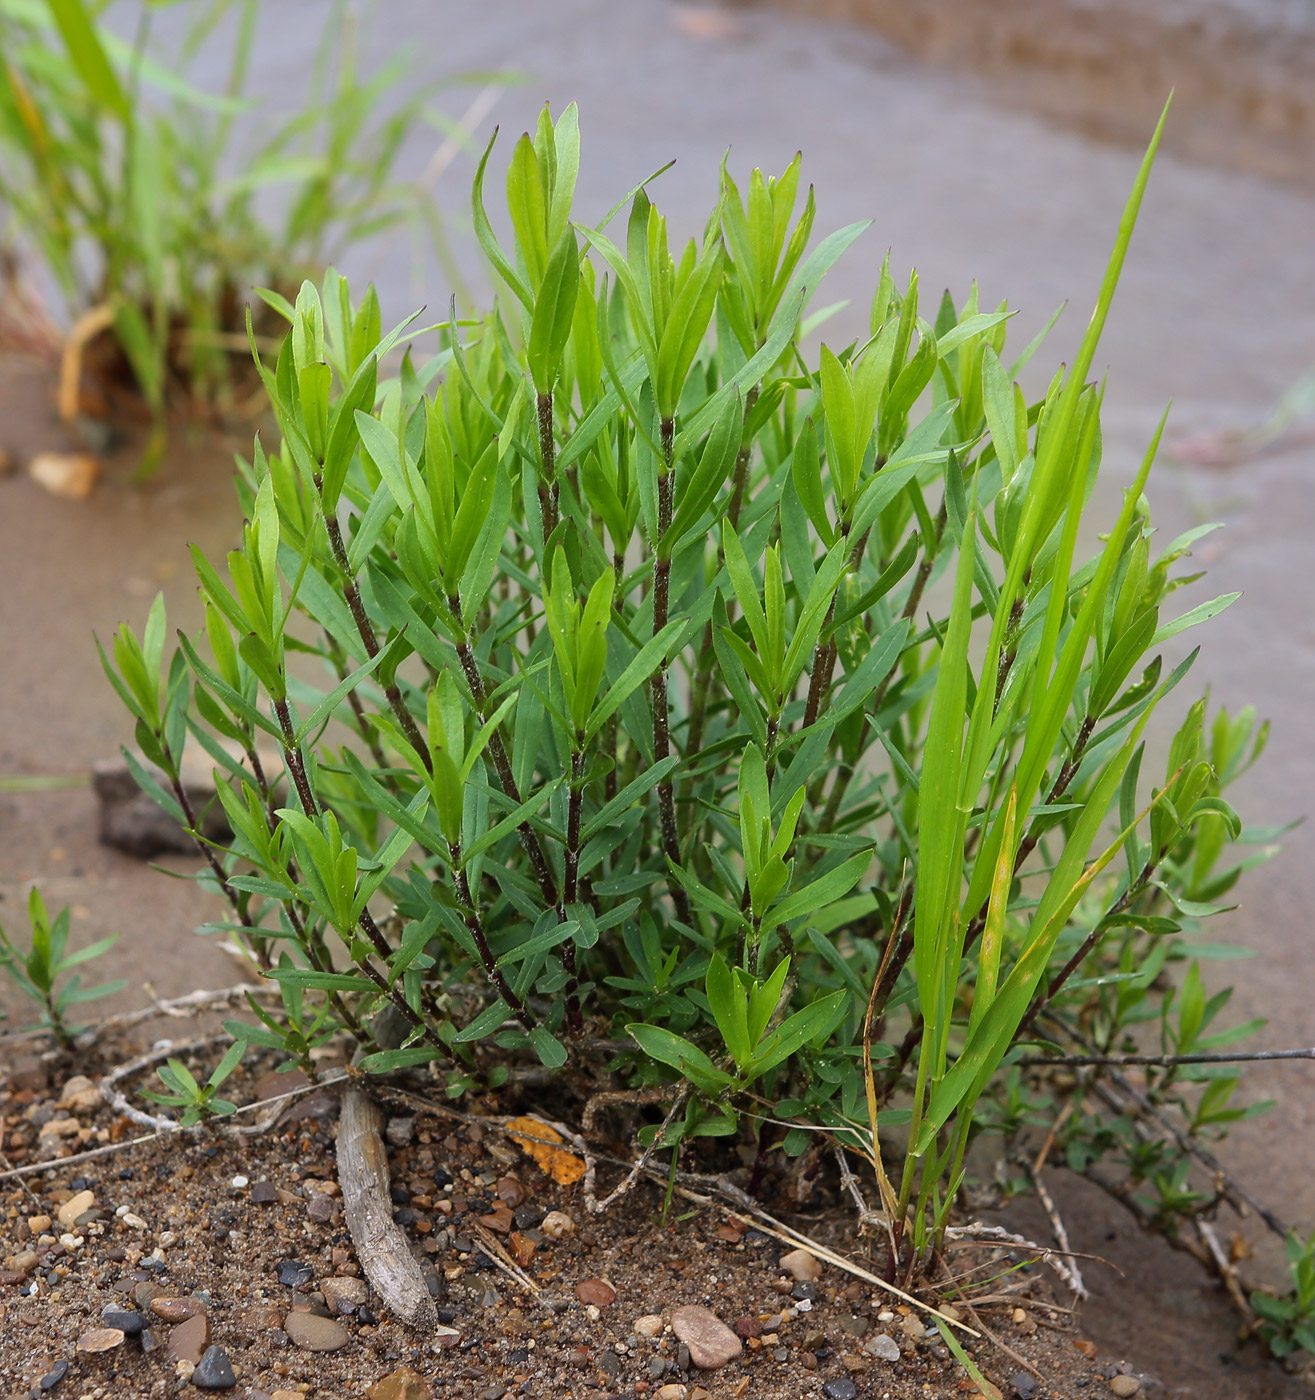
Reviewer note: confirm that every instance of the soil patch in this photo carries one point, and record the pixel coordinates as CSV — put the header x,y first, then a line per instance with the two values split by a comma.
x,y
121,1272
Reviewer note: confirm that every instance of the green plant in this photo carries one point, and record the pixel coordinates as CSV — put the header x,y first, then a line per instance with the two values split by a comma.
x,y
148,211
1288,1322
688,686
195,1099
41,971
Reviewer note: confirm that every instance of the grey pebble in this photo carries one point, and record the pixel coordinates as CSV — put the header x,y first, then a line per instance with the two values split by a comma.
x,y
842,1389
128,1322
214,1371
293,1274
53,1377
883,1346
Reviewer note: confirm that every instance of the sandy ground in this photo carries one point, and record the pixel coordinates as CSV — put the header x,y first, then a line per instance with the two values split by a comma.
x,y
1217,311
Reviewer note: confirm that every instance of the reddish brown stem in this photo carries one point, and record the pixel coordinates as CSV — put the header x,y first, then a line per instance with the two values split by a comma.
x,y
661,716
548,489
470,915
502,764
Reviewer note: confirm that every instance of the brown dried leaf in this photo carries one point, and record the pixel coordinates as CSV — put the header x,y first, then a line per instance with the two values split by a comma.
x,y
539,1141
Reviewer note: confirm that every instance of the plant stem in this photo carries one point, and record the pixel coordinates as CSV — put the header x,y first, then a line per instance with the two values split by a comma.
x,y
498,753
661,719
548,489
1040,1003
472,920
740,480
365,630
293,758
570,890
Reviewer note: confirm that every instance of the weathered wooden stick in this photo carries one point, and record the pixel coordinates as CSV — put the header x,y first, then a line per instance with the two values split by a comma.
x,y
380,1244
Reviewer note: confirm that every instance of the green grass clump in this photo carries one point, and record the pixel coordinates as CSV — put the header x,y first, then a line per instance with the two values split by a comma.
x,y
152,215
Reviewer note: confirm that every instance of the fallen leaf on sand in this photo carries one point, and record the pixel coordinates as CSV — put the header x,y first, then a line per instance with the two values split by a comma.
x,y
540,1142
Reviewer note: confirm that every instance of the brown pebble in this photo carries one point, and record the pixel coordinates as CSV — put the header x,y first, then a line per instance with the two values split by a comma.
x,y
748,1327
176,1309
189,1340
522,1248
99,1339
263,1318
711,1343
320,1209
73,1207
1088,1349
403,1384
594,1291
500,1220
510,1192
264,1193
313,1333
1125,1386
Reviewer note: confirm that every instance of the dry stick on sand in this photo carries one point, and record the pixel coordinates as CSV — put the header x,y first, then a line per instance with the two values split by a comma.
x,y
1066,1268
380,1243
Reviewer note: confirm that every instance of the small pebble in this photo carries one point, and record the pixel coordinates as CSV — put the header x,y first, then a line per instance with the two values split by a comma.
x,y
596,1293
190,1338
1024,1386
557,1225
176,1309
293,1274
802,1266
913,1329
841,1389
883,1346
313,1333
1125,1386
402,1384
319,1209
711,1343
510,1192
264,1193
400,1131
128,1322
53,1377
214,1371
98,1339
650,1325
73,1207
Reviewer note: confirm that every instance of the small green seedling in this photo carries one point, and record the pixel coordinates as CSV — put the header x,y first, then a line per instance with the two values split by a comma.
x,y
1289,1322
41,971
197,1100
